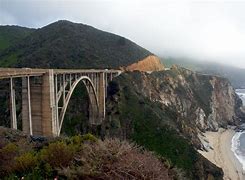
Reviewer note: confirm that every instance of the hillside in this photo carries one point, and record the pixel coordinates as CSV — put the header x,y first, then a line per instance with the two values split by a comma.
x,y
167,112
64,44
77,157
10,35
234,74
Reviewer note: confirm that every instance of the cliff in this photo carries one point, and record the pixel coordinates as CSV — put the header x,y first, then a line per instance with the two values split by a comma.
x,y
150,63
235,75
166,111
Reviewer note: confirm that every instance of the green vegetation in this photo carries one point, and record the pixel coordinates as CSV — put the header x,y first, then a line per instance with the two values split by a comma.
x,y
64,44
79,157
58,154
151,131
9,61
10,35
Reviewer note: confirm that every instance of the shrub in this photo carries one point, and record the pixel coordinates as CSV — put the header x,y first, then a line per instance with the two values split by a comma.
x,y
57,154
88,137
131,162
25,162
10,148
115,159
7,156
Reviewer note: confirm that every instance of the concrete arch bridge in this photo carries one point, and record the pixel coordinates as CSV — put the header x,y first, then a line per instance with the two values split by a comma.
x,y
46,94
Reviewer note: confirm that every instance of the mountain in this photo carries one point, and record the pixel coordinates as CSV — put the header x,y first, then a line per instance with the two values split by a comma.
x,y
10,35
235,75
64,44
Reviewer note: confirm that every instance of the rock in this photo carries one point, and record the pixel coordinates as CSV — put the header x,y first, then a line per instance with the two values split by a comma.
x,y
150,63
200,102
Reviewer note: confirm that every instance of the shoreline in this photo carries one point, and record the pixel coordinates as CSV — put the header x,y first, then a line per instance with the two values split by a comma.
x,y
221,154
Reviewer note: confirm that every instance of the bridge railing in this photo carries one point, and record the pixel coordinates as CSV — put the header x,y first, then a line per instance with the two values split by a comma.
x,y
22,72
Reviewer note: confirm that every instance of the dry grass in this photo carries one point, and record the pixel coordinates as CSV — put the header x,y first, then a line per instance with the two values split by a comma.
x,y
115,159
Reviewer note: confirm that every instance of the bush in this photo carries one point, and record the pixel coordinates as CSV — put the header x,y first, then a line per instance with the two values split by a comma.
x,y
115,159
25,162
7,156
130,162
88,137
57,154
78,139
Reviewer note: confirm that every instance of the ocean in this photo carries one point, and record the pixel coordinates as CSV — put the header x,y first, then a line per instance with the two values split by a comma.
x,y
238,140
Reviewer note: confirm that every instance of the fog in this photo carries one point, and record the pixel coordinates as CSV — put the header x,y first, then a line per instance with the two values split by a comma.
x,y
201,30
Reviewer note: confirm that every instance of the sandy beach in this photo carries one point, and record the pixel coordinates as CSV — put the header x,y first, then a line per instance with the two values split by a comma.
x,y
221,155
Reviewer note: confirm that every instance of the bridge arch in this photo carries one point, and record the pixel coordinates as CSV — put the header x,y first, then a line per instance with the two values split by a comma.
x,y
93,98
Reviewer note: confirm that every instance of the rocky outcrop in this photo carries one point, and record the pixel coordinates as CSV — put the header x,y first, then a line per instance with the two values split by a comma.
x,y
209,102
166,111
150,63
200,102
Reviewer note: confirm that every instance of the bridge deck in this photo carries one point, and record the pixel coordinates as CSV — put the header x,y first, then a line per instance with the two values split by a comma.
x,y
22,72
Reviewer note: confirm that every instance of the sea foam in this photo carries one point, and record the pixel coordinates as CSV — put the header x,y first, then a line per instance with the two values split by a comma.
x,y
235,145
241,94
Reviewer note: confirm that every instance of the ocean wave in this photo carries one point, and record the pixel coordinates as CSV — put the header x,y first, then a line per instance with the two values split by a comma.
x,y
235,144
241,94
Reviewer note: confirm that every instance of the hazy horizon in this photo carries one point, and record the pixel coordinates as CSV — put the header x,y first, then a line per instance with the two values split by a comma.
x,y
202,30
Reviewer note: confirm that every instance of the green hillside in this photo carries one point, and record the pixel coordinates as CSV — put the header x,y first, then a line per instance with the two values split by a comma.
x,y
10,35
64,44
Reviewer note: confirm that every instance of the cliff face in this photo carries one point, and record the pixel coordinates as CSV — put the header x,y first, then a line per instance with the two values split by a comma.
x,y
150,63
166,111
208,102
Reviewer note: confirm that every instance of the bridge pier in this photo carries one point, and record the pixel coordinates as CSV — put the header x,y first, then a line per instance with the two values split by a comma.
x,y
49,127
26,109
12,105
38,105
101,95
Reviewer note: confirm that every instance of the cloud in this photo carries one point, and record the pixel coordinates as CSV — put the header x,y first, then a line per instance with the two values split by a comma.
x,y
205,30
6,18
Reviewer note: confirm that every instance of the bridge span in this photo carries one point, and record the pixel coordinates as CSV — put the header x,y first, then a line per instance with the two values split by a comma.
x,y
46,94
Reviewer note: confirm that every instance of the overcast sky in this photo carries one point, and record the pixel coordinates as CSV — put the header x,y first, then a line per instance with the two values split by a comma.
x,y
199,29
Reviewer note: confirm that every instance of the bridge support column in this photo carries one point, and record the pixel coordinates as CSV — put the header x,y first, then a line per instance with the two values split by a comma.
x,y
101,95
93,119
38,105
26,106
49,107
12,105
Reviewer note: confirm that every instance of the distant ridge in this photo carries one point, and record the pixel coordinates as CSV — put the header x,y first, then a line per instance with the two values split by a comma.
x,y
64,44
235,75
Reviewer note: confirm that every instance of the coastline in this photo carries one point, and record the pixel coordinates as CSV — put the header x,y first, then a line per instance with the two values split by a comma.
x,y
221,154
